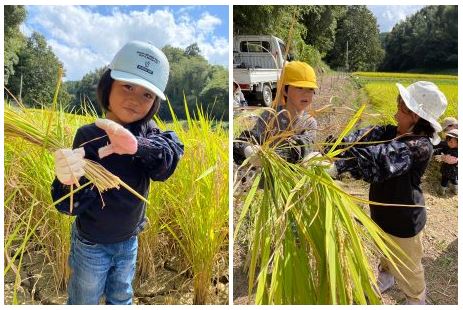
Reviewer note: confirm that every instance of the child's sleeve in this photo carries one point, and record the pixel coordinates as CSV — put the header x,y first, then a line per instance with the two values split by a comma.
x,y
83,198
377,163
159,152
440,148
250,137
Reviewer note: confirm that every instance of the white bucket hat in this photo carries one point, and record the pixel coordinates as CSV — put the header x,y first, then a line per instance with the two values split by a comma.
x,y
427,101
449,121
142,64
452,133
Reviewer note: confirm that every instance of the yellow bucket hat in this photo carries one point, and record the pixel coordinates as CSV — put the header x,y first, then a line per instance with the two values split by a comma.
x,y
299,74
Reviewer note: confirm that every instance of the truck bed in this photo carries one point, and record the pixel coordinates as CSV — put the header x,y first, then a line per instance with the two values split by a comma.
x,y
253,76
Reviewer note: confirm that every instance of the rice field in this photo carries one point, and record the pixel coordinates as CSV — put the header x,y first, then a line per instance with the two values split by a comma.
x,y
187,214
382,92
302,238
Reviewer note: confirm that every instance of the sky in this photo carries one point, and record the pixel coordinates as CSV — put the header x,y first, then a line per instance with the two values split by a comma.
x,y
87,37
389,15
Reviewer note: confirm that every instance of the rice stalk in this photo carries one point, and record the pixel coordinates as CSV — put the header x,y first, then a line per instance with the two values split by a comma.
x,y
310,237
198,217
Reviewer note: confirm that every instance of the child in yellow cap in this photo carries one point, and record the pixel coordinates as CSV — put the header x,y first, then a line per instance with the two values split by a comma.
x,y
299,84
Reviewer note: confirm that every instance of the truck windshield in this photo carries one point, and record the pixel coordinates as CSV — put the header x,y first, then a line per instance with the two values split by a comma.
x,y
254,46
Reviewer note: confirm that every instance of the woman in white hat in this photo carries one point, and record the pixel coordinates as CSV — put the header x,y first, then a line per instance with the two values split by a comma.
x,y
393,163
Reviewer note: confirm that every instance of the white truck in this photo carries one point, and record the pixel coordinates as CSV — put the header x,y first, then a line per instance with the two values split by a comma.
x,y
257,63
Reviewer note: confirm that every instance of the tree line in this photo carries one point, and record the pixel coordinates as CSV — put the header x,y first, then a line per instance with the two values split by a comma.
x,y
348,38
31,74
426,40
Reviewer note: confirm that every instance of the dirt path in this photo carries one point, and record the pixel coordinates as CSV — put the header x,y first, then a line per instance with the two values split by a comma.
x,y
441,232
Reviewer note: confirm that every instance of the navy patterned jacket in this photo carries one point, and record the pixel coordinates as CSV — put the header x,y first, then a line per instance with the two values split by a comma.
x,y
394,169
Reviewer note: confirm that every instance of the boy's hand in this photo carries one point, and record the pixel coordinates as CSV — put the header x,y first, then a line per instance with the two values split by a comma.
x,y
122,140
69,165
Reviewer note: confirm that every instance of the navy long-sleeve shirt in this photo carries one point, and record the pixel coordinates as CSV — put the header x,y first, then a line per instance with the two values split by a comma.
x,y
123,214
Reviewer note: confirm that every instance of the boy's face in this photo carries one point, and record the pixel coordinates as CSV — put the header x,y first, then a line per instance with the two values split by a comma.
x,y
299,98
128,102
452,142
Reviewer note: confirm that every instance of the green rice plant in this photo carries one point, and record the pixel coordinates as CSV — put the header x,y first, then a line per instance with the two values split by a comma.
x,y
401,75
383,97
197,215
310,238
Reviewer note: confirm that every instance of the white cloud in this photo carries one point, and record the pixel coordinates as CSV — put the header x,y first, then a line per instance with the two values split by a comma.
x,y
26,30
84,39
389,15
208,22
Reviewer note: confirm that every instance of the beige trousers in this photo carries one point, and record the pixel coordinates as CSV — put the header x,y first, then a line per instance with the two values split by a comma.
x,y
414,286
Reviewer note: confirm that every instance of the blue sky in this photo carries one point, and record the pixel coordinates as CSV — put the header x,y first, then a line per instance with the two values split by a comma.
x,y
87,37
389,15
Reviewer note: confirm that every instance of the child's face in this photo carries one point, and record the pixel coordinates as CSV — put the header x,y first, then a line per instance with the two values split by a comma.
x,y
405,118
299,98
128,102
452,142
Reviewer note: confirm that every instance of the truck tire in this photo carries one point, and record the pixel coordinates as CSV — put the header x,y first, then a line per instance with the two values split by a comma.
x,y
267,95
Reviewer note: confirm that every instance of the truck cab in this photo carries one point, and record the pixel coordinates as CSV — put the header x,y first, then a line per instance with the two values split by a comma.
x,y
257,64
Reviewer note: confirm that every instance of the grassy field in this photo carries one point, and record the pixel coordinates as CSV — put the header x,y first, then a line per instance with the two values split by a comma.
x,y
187,214
382,91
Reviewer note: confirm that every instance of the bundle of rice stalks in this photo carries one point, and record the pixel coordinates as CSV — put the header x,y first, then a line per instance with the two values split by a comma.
x,y
310,239
18,125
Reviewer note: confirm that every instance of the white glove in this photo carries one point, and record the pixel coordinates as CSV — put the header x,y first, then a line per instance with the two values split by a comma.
x,y
122,140
438,158
69,165
250,152
332,171
312,155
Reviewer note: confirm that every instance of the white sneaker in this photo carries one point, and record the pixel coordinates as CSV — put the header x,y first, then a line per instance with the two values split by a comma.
x,y
385,281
